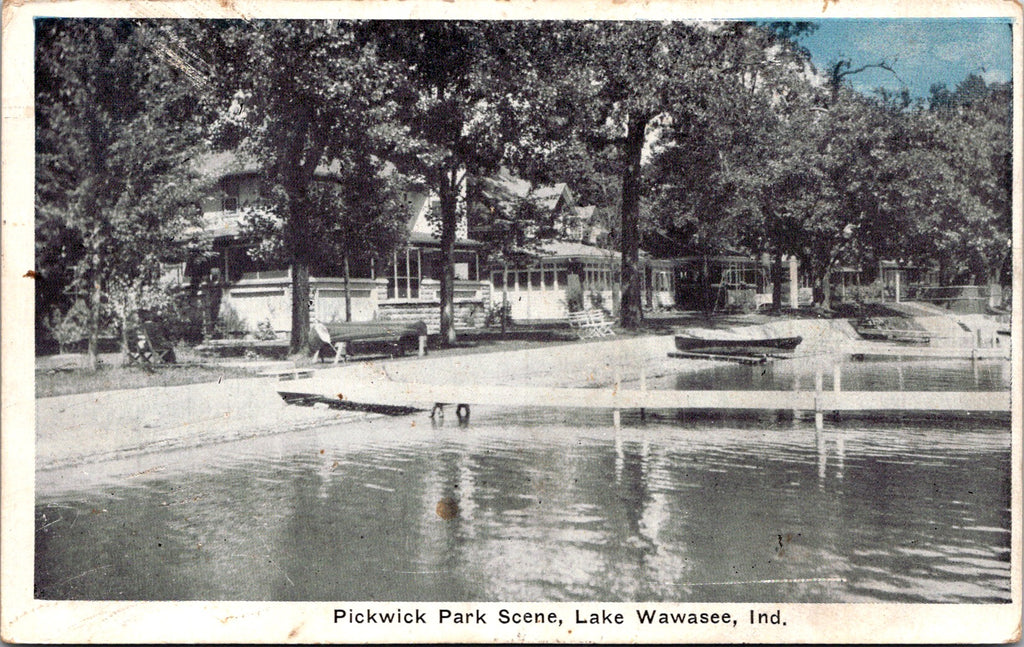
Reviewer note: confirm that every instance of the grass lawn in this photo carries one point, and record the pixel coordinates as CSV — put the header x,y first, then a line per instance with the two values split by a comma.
x,y
62,375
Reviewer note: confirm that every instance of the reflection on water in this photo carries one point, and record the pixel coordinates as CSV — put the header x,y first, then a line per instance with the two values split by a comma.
x,y
551,505
884,375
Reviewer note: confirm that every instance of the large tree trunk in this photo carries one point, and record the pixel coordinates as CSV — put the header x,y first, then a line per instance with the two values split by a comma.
x,y
504,297
300,306
449,222
776,282
95,300
348,293
826,289
631,313
302,153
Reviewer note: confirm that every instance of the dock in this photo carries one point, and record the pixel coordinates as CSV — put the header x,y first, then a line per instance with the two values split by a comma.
x,y
425,396
935,352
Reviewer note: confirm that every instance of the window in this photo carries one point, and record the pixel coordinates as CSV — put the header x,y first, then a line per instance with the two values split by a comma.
x,y
549,278
404,278
229,200
467,266
498,279
535,280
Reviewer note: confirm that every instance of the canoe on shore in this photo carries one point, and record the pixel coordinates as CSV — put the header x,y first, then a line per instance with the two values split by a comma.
x,y
731,346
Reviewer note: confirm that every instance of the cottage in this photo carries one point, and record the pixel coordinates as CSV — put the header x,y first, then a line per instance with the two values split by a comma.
x,y
570,264
233,285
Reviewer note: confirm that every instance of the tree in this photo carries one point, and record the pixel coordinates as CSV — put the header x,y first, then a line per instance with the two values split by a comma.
x,y
303,95
733,169
458,109
512,227
356,218
643,88
971,129
116,130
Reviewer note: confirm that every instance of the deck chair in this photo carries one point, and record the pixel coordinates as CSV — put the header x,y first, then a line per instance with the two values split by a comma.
x,y
150,346
320,343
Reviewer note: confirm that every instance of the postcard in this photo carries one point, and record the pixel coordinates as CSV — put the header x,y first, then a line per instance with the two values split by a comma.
x,y
509,321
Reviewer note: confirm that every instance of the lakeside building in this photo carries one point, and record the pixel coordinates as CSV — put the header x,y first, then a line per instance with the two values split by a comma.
x,y
226,279
733,280
569,264
570,267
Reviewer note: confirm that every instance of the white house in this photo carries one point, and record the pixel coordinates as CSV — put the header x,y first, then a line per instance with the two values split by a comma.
x,y
407,288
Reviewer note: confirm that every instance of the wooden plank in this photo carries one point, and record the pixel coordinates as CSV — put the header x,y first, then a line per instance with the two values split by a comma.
x,y
739,359
929,351
420,395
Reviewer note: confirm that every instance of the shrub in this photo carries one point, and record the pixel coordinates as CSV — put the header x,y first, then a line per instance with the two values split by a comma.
x,y
70,327
265,330
230,324
183,318
496,313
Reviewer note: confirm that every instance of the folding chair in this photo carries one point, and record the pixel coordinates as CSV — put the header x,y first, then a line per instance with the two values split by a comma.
x,y
150,346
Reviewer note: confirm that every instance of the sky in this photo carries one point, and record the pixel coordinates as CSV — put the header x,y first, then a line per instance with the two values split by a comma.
x,y
925,51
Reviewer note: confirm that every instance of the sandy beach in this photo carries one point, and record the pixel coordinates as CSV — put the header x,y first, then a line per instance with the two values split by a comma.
x,y
87,427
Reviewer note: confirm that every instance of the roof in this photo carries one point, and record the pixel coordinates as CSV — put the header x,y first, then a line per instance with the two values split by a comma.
x,y
586,213
218,165
547,196
503,183
564,249
425,239
219,224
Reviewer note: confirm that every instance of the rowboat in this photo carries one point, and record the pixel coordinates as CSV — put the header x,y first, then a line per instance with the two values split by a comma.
x,y
878,329
736,346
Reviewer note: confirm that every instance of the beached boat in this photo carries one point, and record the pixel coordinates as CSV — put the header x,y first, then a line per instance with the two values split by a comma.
x,y
736,346
878,329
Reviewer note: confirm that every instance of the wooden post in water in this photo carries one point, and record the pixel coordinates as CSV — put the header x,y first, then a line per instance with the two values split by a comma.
x,y
796,387
837,381
819,436
616,415
819,417
643,388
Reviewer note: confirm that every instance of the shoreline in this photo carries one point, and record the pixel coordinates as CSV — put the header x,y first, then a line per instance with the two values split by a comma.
x,y
84,428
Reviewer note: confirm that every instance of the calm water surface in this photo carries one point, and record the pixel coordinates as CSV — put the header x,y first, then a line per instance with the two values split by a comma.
x,y
556,505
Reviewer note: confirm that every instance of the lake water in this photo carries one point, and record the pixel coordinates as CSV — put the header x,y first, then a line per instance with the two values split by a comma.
x,y
558,505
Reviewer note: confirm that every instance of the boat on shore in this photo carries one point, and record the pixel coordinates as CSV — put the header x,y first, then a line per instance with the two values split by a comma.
x,y
736,346
879,329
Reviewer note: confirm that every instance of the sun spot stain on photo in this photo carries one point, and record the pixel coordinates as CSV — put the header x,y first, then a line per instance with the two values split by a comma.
x,y
447,508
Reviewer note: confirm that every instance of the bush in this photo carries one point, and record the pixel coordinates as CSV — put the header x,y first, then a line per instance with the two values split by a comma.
x,y
496,313
230,324
265,331
69,328
183,318
864,293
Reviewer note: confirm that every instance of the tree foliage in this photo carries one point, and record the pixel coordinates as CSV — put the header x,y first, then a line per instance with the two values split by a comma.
x,y
459,113
116,131
309,101
691,136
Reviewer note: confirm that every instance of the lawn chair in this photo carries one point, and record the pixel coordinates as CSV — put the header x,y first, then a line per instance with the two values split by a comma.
x,y
150,346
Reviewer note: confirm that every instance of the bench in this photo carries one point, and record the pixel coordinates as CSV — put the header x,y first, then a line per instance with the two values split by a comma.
x,y
590,323
339,338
